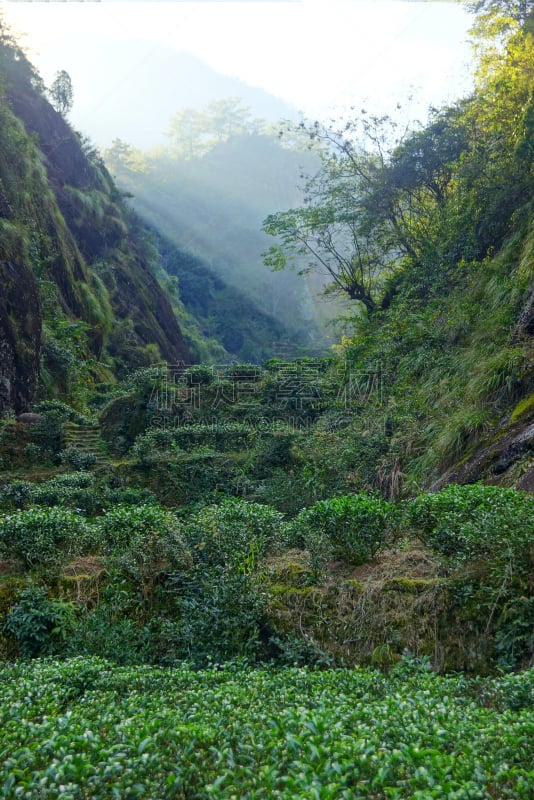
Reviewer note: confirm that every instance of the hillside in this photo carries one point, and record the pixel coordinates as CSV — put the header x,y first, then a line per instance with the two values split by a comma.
x,y
432,238
302,578
80,301
307,577
209,193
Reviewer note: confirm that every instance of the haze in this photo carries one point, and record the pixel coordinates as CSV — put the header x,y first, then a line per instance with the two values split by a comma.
x,y
130,70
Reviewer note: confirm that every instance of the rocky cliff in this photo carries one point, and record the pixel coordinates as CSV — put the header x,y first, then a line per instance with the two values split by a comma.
x,y
76,281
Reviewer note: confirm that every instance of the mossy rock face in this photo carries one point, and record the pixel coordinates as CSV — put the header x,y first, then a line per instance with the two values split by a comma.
x,y
524,409
61,214
20,334
502,458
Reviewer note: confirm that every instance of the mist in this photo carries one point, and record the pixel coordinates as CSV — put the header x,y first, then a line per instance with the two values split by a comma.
x,y
136,67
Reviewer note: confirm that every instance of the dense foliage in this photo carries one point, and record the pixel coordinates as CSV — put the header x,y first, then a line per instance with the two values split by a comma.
x,y
210,529
349,527
430,231
91,731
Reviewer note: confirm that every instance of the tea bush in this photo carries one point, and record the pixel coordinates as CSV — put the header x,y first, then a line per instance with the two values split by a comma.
x,y
199,375
221,616
76,490
128,495
222,436
84,728
235,533
475,521
154,445
73,490
146,545
220,602
114,636
272,453
16,494
352,528
39,623
126,526
45,537
152,557
77,458
47,432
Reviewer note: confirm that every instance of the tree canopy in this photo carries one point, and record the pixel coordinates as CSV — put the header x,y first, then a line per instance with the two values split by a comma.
x,y
516,10
193,133
387,204
61,92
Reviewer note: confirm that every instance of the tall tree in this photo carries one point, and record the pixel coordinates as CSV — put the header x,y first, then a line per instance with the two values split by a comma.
x,y
194,133
516,10
337,232
61,92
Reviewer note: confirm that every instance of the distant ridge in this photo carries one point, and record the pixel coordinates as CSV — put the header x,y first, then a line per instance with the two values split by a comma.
x,y
149,83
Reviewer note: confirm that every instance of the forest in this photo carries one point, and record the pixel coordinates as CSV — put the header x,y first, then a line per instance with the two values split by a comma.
x,y
267,447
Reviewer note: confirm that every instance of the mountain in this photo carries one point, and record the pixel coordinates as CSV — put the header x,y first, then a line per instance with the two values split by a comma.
x,y
133,88
79,298
212,207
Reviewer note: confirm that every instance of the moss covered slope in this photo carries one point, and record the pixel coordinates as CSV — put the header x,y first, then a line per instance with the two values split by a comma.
x,y
75,267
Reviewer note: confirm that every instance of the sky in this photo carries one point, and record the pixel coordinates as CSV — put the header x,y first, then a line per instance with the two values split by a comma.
x,y
318,56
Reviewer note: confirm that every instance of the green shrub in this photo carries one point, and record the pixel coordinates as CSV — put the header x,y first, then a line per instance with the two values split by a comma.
x,y
154,445
514,637
60,410
75,490
117,638
127,526
16,494
63,490
33,453
475,521
488,532
199,375
271,453
77,459
47,432
39,624
352,528
145,380
222,616
86,501
70,480
85,728
128,495
222,436
221,604
45,537
152,557
235,533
